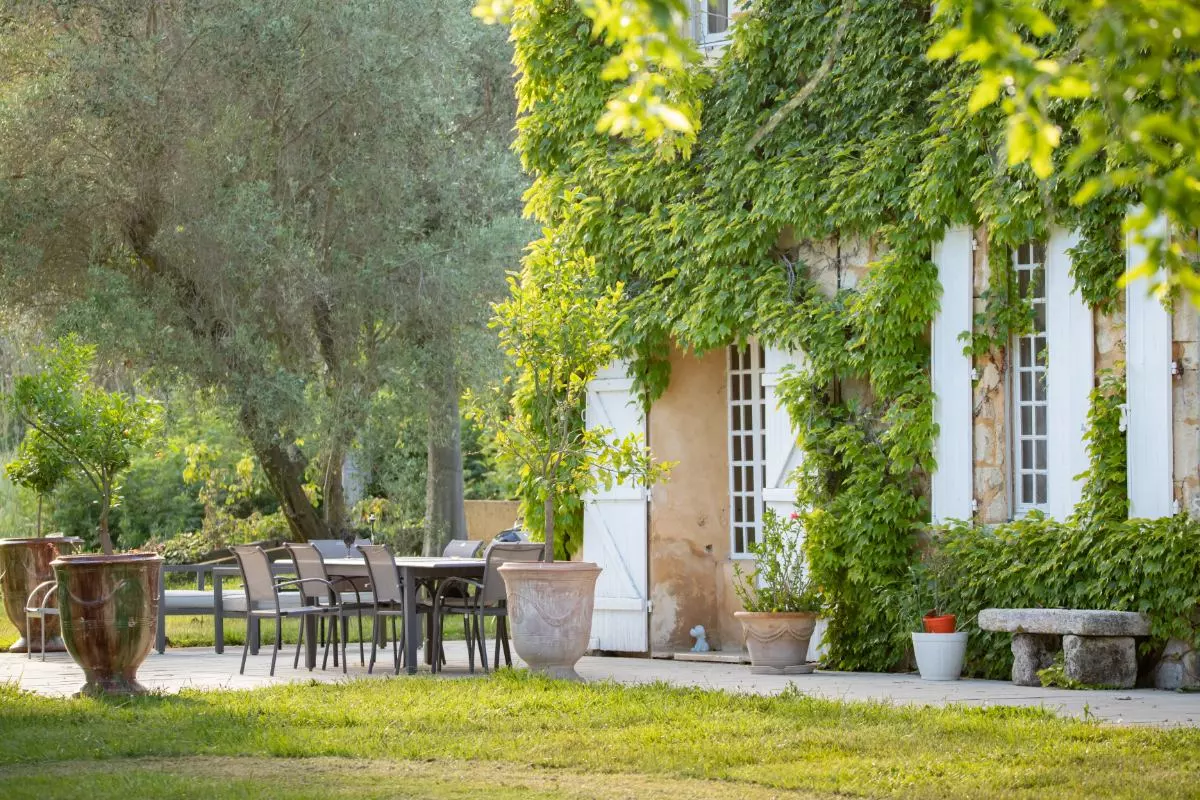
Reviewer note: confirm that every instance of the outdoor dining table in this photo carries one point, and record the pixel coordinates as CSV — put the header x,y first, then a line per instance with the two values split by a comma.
x,y
413,570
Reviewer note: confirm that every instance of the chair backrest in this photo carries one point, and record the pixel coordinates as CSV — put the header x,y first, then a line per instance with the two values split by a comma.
x,y
501,553
309,566
330,548
354,552
385,578
256,576
462,548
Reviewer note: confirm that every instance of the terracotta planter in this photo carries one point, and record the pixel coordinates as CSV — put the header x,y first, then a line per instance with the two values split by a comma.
x,y
941,623
25,563
778,641
109,610
550,613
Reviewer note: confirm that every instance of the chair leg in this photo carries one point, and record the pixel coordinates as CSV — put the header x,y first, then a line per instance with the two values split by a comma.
x,y
374,641
278,641
28,644
343,635
245,651
397,647
43,627
469,630
496,657
299,642
507,653
362,652
482,642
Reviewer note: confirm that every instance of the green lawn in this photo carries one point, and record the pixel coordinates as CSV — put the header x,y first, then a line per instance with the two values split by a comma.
x,y
198,631
431,737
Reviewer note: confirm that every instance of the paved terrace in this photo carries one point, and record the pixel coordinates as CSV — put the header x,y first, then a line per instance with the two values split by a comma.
x,y
201,668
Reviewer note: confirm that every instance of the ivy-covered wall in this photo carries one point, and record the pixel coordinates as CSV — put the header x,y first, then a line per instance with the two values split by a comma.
x,y
714,246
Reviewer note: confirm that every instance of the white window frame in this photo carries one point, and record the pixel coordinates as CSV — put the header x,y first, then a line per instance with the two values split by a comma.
x,y
745,504
716,40
1030,359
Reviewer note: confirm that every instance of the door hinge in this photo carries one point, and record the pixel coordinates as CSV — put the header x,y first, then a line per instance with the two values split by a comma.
x,y
1123,424
649,606
974,244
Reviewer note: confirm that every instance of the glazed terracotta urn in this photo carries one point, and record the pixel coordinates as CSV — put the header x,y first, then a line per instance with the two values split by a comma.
x,y
550,613
24,565
778,641
109,607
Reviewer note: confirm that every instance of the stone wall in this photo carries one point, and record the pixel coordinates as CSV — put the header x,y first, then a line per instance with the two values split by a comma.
x,y
1186,407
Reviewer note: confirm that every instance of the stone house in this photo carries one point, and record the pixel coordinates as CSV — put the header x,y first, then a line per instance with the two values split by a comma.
x,y
1010,436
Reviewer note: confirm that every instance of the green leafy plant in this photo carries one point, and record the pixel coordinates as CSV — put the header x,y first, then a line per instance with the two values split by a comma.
x,y
779,581
92,430
556,329
40,466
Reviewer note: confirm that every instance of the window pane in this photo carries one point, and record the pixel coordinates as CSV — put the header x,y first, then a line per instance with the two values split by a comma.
x,y
749,448
1039,385
1026,386
1040,415
739,542
1039,317
748,418
747,392
733,358
1041,489
1041,350
1026,455
735,389
1041,455
1039,253
1023,254
737,480
749,511
1026,488
718,16
737,510
737,448
750,482
1026,419
1026,351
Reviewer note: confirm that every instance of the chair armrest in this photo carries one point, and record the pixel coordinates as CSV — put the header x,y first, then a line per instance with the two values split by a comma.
x,y
48,586
465,583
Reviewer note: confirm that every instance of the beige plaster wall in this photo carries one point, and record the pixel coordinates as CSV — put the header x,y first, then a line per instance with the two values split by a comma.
x,y
689,513
989,436
1186,407
486,518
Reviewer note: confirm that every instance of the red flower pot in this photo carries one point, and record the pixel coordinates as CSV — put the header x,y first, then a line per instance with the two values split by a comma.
x,y
942,623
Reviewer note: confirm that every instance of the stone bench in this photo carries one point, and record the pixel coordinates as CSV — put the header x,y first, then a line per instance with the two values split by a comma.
x,y
1098,646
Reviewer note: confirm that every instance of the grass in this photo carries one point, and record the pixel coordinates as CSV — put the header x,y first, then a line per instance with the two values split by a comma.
x,y
198,631
512,735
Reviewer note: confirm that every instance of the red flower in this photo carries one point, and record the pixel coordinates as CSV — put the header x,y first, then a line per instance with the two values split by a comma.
x,y
795,515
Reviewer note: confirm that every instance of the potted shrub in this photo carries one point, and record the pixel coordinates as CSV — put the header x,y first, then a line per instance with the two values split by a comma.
x,y
556,331
25,562
108,602
780,606
938,647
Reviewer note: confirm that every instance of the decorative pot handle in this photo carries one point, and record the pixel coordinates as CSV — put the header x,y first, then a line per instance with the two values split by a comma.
x,y
99,601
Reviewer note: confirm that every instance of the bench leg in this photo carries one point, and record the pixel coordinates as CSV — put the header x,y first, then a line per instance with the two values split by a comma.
x,y
1101,660
1032,652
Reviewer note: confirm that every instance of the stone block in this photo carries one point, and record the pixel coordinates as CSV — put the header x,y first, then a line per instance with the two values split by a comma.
x,y
1032,652
1081,622
1101,660
1179,667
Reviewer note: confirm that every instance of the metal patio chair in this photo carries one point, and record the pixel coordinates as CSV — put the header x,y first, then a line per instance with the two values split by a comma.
x,y
37,606
462,548
477,600
387,601
262,600
338,605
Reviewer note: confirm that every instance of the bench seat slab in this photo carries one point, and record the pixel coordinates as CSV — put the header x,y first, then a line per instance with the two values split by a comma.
x,y
1061,621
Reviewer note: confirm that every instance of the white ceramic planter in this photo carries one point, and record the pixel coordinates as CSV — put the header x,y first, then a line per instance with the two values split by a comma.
x,y
940,655
550,613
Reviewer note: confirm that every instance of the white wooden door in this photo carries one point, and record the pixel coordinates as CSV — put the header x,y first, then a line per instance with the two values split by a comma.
x,y
781,455
1148,438
614,526
1071,342
952,485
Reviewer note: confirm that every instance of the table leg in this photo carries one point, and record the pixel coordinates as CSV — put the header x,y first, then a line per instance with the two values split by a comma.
x,y
411,631
218,614
310,640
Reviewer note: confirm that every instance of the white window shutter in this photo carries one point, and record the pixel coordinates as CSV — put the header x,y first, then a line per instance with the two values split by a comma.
x,y
781,453
1071,342
952,486
1148,394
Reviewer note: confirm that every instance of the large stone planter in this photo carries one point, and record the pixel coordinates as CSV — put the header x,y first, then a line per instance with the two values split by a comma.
x,y
109,607
778,641
24,564
550,613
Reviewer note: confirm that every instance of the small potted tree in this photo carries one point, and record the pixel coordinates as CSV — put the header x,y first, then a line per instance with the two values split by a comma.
x,y
25,562
108,602
556,330
780,608
938,647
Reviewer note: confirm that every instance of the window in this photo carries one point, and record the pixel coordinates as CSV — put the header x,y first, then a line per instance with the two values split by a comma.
x,y
1031,436
747,440
712,21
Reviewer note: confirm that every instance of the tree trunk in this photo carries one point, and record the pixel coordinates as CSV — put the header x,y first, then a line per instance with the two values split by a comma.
x,y
445,514
333,496
105,539
286,477
548,513
39,520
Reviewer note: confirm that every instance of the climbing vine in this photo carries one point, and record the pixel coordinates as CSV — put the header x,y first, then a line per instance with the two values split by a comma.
x,y
884,151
